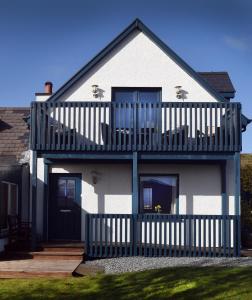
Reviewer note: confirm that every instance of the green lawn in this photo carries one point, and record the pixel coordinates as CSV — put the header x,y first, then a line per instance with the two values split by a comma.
x,y
175,283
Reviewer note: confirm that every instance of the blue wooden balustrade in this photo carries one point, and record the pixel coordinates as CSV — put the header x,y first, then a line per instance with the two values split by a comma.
x,y
114,235
110,126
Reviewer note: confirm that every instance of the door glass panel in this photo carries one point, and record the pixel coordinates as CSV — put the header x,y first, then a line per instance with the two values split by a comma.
x,y
123,115
149,95
150,118
70,192
65,193
158,191
61,192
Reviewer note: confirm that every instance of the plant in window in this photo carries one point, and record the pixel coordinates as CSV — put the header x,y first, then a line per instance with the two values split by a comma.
x,y
158,208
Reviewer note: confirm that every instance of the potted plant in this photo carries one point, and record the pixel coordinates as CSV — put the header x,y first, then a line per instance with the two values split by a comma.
x,y
158,208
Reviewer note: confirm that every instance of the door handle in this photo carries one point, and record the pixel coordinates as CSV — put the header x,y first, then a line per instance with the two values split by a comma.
x,y
65,210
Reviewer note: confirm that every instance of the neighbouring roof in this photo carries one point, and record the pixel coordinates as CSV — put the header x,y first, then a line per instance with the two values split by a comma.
x,y
220,81
14,134
137,25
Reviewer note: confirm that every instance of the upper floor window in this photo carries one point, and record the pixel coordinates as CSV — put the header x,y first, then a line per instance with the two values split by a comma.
x,y
124,116
136,95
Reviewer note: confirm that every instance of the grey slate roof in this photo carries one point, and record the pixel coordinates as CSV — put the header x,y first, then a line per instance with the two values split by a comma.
x,y
220,81
14,134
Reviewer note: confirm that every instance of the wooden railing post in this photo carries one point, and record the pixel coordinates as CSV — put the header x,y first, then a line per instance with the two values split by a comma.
x,y
87,234
34,200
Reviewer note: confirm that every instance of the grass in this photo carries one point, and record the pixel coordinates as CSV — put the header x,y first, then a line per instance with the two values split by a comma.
x,y
173,283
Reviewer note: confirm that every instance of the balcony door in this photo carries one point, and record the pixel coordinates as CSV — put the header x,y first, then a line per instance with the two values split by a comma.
x,y
125,117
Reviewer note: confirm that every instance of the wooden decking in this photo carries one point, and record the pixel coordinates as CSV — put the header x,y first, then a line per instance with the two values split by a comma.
x,y
30,268
50,260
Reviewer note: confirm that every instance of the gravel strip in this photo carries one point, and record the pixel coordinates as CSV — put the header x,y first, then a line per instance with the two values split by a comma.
x,y
132,264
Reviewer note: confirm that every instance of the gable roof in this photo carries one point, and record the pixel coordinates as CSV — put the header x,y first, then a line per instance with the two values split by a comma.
x,y
220,81
136,25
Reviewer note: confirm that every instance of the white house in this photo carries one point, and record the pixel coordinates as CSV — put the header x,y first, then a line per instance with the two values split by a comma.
x,y
138,154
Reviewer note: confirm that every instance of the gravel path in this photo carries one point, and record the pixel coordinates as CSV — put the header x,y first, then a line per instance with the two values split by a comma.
x,y
131,264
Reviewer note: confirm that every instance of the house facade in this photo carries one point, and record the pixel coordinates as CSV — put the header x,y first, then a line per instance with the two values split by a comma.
x,y
14,168
138,154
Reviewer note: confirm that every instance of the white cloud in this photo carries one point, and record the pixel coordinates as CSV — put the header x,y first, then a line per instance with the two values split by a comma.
x,y
237,43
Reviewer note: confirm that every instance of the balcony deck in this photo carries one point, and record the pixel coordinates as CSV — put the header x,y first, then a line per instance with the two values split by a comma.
x,y
126,127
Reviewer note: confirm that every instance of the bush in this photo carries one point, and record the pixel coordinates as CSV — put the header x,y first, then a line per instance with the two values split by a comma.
x,y
246,203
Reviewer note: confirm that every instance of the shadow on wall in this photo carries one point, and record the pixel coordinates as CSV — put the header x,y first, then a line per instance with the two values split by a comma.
x,y
108,181
205,186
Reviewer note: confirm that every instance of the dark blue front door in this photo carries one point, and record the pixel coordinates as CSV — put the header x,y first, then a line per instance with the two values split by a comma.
x,y
64,215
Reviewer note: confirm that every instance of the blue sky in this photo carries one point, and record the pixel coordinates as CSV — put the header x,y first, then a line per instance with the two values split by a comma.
x,y
51,40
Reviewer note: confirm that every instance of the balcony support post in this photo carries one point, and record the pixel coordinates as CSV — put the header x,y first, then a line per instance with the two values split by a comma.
x,y
135,183
34,199
237,200
45,200
223,166
237,183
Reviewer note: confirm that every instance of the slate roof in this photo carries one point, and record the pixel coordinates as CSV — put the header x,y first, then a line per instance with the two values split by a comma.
x,y
220,81
14,134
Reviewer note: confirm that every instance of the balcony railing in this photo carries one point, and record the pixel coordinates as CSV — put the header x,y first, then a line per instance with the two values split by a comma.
x,y
109,126
110,235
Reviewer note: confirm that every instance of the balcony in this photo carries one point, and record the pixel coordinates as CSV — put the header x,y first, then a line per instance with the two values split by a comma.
x,y
109,126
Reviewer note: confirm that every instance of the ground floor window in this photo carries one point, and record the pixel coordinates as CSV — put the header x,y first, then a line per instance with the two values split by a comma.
x,y
8,202
158,193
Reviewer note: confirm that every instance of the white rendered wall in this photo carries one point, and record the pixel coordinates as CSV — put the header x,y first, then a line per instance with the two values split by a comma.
x,y
137,62
231,187
111,194
199,187
40,196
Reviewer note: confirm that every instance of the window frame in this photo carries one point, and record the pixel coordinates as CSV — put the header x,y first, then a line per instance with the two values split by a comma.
x,y
135,91
176,175
10,184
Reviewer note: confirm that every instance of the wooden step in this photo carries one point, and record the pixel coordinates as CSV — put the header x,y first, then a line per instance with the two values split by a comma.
x,y
30,268
84,270
63,244
246,252
72,255
43,255
62,247
30,274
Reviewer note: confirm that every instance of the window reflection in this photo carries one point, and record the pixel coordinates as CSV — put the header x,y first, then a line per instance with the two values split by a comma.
x,y
158,190
65,193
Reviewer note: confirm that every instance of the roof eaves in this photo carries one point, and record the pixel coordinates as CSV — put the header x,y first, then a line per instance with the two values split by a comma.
x,y
97,58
